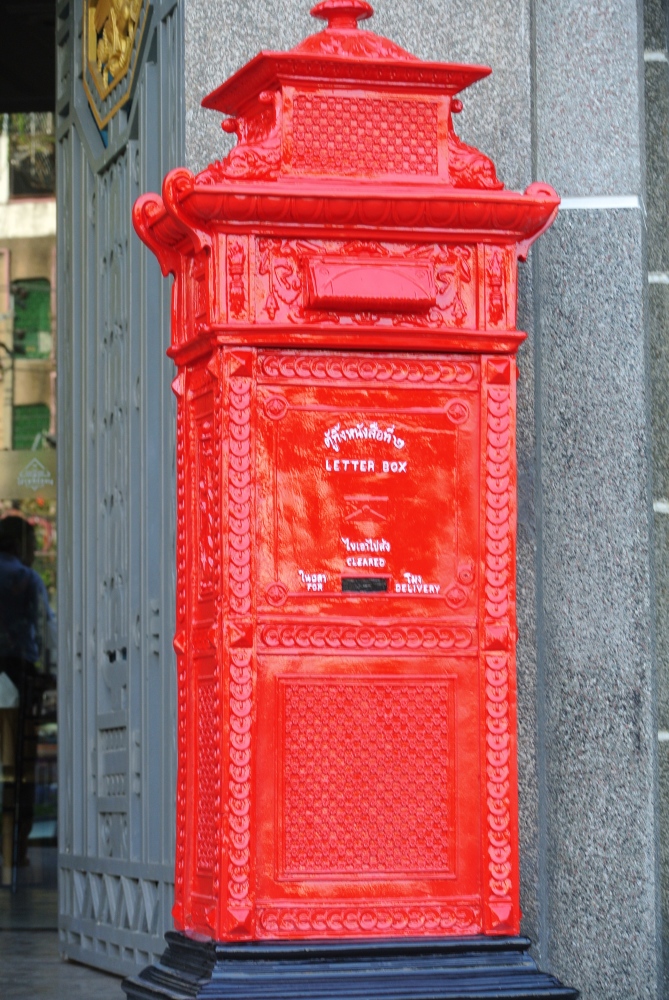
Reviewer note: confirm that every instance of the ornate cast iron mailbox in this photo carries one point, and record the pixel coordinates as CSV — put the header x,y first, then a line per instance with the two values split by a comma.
x,y
344,328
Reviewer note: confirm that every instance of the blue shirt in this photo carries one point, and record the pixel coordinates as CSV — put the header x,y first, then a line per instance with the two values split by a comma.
x,y
24,610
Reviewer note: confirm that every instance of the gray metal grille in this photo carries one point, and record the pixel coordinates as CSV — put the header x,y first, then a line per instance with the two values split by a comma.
x,y
116,452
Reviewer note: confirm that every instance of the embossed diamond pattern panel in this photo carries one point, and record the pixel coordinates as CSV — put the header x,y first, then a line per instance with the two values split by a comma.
x,y
368,776
350,135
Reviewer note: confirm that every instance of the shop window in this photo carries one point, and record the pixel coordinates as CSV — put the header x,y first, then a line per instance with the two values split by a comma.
x,y
32,318
30,426
32,155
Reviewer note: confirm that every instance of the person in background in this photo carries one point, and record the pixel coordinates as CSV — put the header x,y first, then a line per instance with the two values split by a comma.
x,y
25,617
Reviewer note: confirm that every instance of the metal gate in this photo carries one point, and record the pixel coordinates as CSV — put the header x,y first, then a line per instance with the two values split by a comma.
x,y
116,482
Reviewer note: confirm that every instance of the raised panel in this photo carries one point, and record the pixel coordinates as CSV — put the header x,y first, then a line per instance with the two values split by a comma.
x,y
369,488
366,771
371,800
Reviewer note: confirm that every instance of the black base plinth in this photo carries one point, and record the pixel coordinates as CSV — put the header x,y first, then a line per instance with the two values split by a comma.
x,y
399,969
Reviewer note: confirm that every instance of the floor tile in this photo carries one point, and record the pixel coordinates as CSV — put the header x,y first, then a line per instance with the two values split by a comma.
x,y
31,969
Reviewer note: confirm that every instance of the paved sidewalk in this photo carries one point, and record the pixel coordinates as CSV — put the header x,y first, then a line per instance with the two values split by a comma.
x,y
31,969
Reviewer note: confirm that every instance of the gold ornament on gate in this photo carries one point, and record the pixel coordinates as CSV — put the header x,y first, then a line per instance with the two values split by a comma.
x,y
112,34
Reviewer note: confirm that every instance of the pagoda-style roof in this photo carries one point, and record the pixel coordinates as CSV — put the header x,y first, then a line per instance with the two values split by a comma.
x,y
343,54
347,102
347,138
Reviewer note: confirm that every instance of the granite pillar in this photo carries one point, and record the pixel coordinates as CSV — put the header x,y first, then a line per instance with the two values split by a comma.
x,y
596,650
596,633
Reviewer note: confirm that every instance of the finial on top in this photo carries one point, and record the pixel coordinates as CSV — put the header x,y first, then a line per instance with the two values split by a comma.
x,y
343,13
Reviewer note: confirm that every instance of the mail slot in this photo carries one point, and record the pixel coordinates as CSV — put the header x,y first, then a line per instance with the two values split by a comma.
x,y
396,286
344,331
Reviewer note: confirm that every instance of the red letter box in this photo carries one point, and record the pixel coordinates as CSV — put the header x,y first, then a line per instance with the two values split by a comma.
x,y
344,328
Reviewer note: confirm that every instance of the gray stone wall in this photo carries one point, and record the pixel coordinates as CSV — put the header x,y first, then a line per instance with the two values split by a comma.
x,y
564,105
